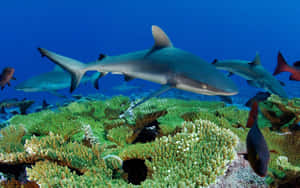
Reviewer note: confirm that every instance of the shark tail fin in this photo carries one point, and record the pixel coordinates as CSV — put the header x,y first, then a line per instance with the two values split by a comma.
x,y
74,67
282,66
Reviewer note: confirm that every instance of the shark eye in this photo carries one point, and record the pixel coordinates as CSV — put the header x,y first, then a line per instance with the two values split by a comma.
x,y
204,86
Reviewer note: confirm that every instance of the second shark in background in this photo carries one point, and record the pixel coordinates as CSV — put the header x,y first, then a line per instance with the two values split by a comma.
x,y
53,81
254,73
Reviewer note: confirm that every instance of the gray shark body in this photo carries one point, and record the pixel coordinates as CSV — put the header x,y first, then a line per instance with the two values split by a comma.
x,y
162,64
254,73
52,81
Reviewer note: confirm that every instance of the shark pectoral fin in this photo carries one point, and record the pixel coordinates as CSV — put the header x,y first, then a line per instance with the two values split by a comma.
x,y
253,83
160,38
256,60
156,93
128,78
55,93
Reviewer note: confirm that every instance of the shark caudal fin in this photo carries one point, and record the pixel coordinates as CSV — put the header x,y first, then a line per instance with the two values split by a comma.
x,y
74,67
252,119
282,66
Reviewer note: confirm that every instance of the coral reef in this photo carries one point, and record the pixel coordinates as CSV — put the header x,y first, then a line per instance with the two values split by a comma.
x,y
291,173
194,157
282,113
170,142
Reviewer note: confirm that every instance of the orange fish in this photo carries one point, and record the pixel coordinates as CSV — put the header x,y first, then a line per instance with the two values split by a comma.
x,y
258,153
5,77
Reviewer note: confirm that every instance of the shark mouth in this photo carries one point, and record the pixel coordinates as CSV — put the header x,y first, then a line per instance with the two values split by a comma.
x,y
199,87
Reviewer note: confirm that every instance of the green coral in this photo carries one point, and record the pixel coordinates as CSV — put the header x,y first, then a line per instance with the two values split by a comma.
x,y
286,173
77,140
119,135
11,139
196,156
283,113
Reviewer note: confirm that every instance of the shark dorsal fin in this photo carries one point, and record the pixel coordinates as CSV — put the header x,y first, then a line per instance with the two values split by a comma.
x,y
58,68
160,38
256,60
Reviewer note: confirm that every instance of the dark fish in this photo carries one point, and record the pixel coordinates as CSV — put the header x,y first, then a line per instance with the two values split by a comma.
x,y
2,110
297,64
101,56
45,104
258,153
5,77
259,97
282,66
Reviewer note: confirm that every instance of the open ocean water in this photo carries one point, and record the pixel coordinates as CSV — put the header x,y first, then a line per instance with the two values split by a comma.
x,y
209,29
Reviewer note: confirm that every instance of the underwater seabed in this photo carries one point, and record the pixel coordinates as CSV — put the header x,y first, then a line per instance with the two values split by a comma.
x,y
165,143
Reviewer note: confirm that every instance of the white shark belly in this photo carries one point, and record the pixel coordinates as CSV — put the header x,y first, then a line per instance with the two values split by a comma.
x,y
157,78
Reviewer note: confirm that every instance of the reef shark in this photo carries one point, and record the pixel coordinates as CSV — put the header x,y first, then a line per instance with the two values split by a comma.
x,y
163,64
254,73
52,81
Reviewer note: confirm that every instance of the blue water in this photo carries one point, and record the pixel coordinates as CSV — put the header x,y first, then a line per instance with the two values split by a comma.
x,y
230,29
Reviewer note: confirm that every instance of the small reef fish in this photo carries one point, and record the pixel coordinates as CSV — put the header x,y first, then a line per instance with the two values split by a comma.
x,y
5,77
44,106
53,81
282,66
258,153
163,64
254,73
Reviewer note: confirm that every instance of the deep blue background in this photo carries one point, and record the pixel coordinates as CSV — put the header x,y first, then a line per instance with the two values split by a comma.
x,y
231,29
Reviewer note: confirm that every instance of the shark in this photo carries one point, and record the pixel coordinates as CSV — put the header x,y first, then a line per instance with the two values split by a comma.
x,y
254,73
162,63
54,80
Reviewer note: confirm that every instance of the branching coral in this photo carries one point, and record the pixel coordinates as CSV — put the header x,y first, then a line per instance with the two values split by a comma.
x,y
287,175
79,139
10,139
119,135
195,157
89,137
281,112
49,174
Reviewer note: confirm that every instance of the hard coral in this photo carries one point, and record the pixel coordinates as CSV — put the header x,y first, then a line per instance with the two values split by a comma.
x,y
281,112
195,157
